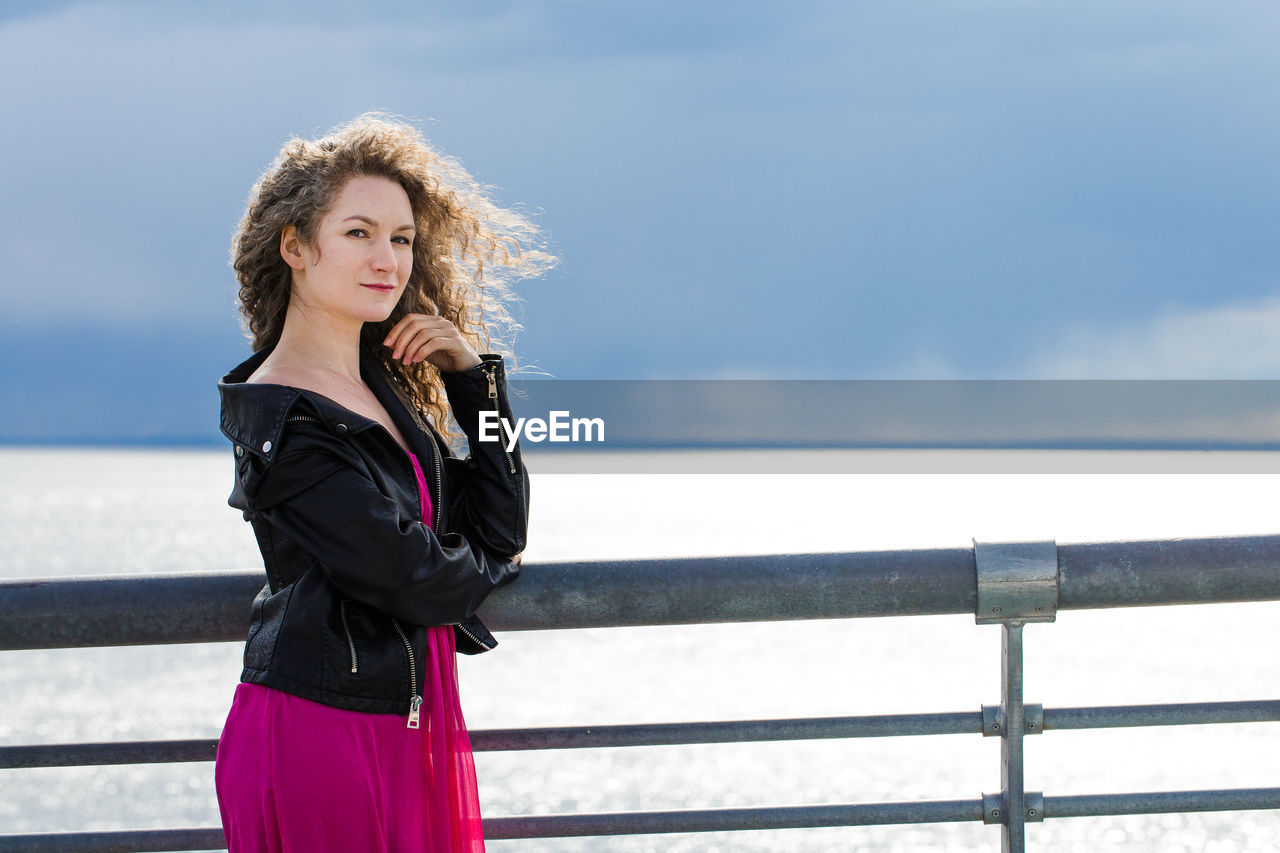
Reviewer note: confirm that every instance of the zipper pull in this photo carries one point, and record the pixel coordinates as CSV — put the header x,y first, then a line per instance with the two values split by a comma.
x,y
493,386
415,706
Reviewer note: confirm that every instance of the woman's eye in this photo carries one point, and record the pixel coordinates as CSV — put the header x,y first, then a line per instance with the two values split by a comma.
x,y
357,232
402,240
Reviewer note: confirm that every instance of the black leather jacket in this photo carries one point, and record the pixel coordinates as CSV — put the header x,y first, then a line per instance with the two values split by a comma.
x,y
353,574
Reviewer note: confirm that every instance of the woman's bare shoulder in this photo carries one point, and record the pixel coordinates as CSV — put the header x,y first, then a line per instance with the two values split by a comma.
x,y
356,398
299,377
283,374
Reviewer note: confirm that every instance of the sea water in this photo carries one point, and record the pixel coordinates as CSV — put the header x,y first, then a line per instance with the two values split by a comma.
x,y
85,512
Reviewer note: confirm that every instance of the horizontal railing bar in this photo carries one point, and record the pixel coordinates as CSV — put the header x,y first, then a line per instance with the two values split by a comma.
x,y
213,607
562,737
1161,802
708,820
680,734
552,826
732,820
83,612
116,841
1168,571
1186,714
728,731
121,752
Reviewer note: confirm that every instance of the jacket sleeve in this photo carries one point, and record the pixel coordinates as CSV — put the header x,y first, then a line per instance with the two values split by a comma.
x,y
489,489
368,548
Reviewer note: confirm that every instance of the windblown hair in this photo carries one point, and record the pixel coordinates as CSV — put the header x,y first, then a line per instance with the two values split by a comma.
x,y
466,253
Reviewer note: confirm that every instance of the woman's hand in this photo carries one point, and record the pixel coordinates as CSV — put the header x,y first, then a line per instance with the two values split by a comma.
x,y
433,338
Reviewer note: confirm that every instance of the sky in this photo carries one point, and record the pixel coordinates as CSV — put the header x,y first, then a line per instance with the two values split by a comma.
x,y
816,190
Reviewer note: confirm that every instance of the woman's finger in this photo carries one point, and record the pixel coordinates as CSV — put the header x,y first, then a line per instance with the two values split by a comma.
x,y
405,324
405,337
410,342
418,337
424,352
419,343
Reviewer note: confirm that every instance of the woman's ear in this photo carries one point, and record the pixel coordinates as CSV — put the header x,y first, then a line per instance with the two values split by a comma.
x,y
291,247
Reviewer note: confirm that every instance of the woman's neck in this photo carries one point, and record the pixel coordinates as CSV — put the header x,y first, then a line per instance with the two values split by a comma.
x,y
320,342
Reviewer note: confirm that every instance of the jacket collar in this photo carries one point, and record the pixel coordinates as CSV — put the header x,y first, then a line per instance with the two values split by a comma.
x,y
254,414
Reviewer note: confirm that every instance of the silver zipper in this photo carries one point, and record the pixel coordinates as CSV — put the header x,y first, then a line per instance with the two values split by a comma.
x,y
438,506
502,430
293,418
350,642
481,643
437,500
415,704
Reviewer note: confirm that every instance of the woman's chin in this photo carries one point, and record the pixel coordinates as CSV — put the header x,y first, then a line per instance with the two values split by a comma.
x,y
377,314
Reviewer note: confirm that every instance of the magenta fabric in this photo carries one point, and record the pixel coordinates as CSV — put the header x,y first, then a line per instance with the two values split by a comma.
x,y
294,775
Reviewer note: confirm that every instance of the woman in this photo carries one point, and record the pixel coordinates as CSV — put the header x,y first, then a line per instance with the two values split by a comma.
x,y
366,264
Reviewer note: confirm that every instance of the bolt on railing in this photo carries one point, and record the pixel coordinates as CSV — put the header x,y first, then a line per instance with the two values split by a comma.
x,y
1008,584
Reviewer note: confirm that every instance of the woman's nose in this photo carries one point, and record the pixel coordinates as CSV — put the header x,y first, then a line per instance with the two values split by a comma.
x,y
384,258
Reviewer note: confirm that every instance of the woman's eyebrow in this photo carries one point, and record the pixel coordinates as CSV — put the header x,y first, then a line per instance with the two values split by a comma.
x,y
374,223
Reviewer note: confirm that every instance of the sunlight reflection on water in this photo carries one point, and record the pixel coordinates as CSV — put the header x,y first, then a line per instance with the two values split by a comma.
x,y
65,512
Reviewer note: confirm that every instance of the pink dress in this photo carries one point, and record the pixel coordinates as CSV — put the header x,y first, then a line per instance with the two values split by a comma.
x,y
297,776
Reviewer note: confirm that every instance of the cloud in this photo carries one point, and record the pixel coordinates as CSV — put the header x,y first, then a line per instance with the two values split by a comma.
x,y
1234,341
816,192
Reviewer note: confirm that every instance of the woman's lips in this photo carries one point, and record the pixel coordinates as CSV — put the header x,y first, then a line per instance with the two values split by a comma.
x,y
381,288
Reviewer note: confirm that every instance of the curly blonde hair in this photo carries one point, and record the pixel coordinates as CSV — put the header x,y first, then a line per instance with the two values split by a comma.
x,y
466,253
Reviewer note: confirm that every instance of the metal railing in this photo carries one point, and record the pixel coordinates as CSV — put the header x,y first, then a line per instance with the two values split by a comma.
x,y
1007,584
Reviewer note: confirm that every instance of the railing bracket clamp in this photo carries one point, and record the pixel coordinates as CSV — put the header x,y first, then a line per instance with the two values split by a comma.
x,y
994,808
1017,581
1033,801
1032,718
992,721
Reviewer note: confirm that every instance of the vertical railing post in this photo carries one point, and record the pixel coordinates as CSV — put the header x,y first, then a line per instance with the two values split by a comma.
x,y
1017,583
1012,780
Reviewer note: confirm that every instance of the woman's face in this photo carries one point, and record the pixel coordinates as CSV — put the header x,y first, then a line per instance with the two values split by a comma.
x,y
362,255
